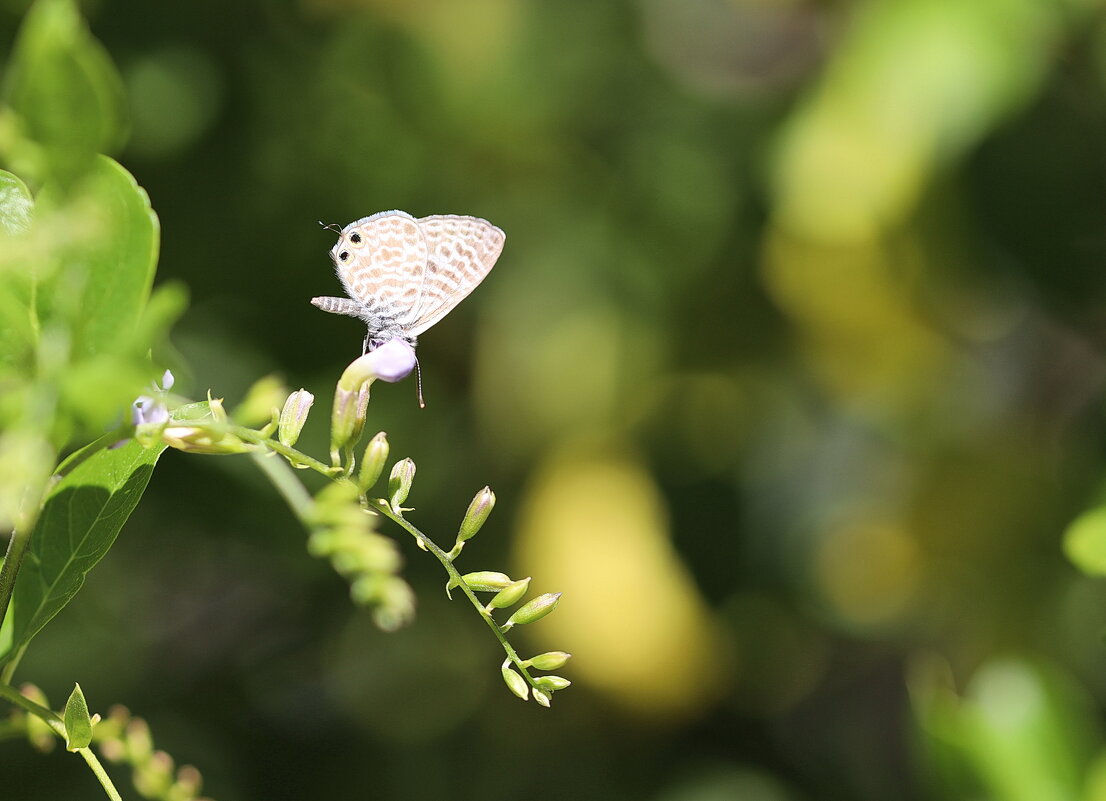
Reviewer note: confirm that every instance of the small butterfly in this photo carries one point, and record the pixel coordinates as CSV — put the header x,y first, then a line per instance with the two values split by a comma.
x,y
403,274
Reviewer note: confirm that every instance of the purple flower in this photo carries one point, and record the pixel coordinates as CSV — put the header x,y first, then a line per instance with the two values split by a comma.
x,y
392,361
147,410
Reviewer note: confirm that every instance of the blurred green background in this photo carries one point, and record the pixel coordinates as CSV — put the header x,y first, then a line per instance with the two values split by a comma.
x,y
790,378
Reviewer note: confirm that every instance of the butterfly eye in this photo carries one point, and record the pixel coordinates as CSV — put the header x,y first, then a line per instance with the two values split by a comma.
x,y
355,238
343,255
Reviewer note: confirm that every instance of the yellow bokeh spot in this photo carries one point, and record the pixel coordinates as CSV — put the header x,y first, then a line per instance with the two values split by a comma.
x,y
594,527
868,571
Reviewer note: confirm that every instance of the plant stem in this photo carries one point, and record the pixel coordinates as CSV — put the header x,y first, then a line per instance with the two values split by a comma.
x,y
101,774
256,437
382,506
286,483
54,721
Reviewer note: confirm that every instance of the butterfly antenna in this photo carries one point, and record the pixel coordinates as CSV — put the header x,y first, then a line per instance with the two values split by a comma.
x,y
418,377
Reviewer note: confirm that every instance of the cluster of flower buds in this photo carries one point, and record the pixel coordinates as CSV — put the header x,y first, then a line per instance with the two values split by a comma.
x,y
195,427
509,592
41,737
120,738
123,738
343,532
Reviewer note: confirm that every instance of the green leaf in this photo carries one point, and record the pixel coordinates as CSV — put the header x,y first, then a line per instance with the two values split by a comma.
x,y
104,279
17,332
64,86
78,723
82,516
1085,542
16,205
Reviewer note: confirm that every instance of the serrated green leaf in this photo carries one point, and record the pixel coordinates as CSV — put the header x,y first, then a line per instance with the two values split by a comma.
x,y
78,723
80,521
62,83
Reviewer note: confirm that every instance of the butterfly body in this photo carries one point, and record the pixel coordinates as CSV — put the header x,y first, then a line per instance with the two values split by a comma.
x,y
403,274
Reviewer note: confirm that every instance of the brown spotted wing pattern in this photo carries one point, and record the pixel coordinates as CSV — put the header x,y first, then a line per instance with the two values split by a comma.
x,y
404,274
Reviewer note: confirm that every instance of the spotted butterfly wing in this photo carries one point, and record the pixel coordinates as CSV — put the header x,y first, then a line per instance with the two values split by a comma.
x,y
461,251
381,261
402,275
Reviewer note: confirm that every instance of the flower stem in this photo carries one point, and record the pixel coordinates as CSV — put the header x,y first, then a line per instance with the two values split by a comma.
x,y
54,721
382,506
256,437
287,484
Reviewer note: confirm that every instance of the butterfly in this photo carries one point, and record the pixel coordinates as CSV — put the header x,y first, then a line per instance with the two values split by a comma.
x,y
403,273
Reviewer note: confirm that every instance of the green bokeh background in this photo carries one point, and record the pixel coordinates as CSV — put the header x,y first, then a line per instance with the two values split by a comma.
x,y
790,377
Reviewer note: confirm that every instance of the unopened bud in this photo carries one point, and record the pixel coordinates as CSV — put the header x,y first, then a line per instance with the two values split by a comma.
x,y
215,408
534,610
397,605
189,782
515,683
39,733
193,439
542,697
347,419
293,416
140,744
481,581
399,483
477,513
372,465
486,581
509,596
261,402
552,683
550,660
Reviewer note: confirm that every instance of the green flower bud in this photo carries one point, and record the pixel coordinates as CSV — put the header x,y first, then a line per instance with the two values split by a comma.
x,y
481,581
534,610
261,402
215,408
487,581
550,660
188,784
139,741
542,697
552,683
39,733
509,596
293,416
348,418
372,465
515,683
194,439
399,483
397,606
477,513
